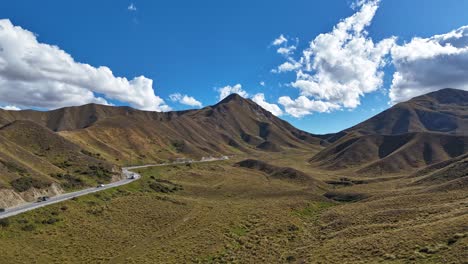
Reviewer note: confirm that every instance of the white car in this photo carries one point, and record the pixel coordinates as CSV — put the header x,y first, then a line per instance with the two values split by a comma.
x,y
100,186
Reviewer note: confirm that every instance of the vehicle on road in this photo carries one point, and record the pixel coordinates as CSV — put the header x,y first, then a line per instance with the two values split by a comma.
x,y
132,177
100,185
2,210
42,199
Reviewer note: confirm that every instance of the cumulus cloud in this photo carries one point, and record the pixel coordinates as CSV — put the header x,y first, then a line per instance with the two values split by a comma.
x,y
280,40
286,51
227,90
132,7
340,66
262,83
10,108
427,64
287,67
34,74
272,108
302,106
185,99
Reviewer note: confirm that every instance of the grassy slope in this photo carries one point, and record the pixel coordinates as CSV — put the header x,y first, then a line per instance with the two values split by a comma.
x,y
28,150
123,135
230,214
381,154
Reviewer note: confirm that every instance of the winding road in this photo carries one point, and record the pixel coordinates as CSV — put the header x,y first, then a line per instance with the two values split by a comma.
x,y
67,196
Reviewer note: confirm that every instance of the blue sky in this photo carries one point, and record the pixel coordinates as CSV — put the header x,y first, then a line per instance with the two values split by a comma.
x,y
195,48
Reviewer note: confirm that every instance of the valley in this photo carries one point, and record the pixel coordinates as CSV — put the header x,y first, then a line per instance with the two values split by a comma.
x,y
221,213
392,189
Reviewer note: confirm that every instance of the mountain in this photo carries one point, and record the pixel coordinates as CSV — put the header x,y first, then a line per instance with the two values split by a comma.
x,y
425,130
444,111
234,125
60,146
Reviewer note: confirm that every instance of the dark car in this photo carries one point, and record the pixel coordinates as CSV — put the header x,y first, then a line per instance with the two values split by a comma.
x,y
2,210
42,199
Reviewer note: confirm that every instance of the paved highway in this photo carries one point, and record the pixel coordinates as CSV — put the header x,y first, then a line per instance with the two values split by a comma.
x,y
67,196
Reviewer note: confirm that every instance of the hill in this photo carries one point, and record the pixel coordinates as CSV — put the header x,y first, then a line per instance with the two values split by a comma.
x,y
34,159
79,146
444,111
411,135
234,125
447,175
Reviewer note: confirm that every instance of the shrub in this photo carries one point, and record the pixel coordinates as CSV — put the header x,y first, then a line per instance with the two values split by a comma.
x,y
179,145
13,167
50,221
64,164
100,172
26,183
4,222
28,228
69,181
160,188
293,228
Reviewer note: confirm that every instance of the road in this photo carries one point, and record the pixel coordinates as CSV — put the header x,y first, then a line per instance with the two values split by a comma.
x,y
67,196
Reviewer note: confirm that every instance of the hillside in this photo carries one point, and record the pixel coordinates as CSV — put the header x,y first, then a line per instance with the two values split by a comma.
x,y
451,174
125,135
79,146
444,111
34,159
391,153
411,135
284,173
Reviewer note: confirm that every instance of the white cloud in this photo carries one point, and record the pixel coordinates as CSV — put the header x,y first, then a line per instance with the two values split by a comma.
x,y
302,106
132,7
287,66
227,90
286,51
34,74
428,64
10,108
280,40
342,65
262,83
273,108
185,99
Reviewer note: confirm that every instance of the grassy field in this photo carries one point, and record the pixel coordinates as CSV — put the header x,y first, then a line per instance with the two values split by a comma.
x,y
218,213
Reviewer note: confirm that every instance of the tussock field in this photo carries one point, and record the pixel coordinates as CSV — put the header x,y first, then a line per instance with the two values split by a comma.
x,y
222,213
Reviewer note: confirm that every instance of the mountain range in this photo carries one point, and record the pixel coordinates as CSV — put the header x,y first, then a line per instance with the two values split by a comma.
x,y
72,147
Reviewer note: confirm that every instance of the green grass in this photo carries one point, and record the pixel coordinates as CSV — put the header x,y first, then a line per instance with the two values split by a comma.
x,y
225,214
313,209
239,231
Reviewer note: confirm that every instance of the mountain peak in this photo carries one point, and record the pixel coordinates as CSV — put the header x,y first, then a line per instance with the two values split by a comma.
x,y
447,96
232,97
